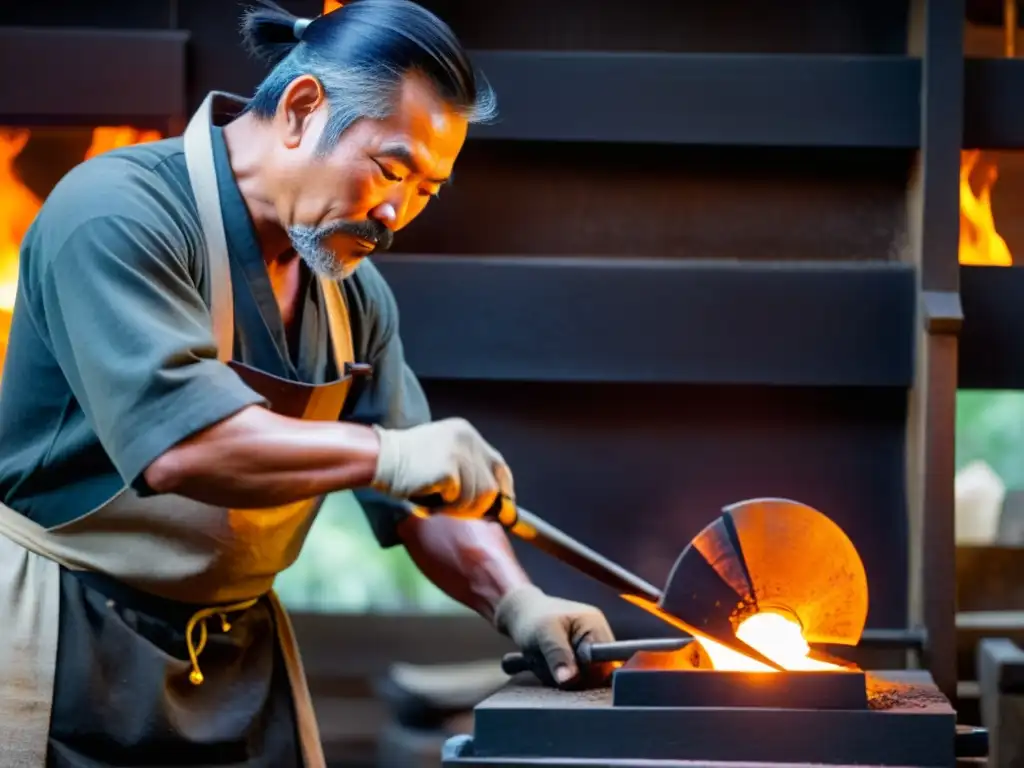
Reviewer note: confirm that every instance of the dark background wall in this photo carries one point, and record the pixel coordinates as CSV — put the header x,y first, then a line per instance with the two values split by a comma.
x,y
635,469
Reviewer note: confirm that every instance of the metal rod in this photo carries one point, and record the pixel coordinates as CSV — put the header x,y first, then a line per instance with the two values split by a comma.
x,y
624,650
914,639
560,545
602,653
527,526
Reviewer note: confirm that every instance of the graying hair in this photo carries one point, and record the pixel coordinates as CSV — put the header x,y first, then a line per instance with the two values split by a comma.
x,y
360,53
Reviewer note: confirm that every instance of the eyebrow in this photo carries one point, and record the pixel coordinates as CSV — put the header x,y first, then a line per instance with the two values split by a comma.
x,y
404,155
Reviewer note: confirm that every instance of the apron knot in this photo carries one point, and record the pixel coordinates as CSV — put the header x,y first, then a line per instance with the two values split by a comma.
x,y
199,620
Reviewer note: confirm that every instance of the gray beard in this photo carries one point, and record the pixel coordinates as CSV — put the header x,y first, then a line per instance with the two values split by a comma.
x,y
308,242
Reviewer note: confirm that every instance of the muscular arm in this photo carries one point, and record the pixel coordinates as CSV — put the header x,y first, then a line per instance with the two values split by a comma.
x,y
471,561
256,458
113,284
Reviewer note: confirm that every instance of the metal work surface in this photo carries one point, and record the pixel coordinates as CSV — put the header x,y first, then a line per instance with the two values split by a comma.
x,y
909,723
708,689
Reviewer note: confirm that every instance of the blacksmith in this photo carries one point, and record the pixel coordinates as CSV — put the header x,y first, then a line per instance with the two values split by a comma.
x,y
186,379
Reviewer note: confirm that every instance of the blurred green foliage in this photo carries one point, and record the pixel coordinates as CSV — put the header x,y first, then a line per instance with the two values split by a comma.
x,y
990,427
342,569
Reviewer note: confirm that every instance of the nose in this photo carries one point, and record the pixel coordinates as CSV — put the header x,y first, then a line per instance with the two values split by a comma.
x,y
386,214
393,212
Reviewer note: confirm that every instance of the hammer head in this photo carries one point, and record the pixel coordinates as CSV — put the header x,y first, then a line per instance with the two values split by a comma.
x,y
770,554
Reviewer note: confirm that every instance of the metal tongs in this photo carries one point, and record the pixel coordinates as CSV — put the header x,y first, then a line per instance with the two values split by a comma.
x,y
527,526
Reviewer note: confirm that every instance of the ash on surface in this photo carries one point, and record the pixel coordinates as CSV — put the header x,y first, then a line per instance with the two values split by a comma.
x,y
893,694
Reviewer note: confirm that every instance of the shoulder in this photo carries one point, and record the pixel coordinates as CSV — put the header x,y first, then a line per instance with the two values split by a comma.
x,y
138,192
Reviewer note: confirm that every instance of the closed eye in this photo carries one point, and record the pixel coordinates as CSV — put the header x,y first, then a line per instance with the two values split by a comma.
x,y
386,173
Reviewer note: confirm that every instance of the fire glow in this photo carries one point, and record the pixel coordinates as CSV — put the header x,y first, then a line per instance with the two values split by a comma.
x,y
776,637
19,205
771,634
981,245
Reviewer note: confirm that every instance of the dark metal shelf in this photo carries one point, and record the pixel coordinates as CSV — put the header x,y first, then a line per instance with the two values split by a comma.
x,y
655,321
993,109
990,341
101,76
741,99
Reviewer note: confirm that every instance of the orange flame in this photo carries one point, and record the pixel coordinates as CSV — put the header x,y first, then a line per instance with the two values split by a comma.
x,y
19,205
980,242
106,138
331,5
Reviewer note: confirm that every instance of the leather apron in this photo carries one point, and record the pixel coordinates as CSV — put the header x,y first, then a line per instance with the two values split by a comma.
x,y
169,546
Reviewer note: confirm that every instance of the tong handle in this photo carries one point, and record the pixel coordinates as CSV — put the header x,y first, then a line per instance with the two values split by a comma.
x,y
503,510
602,653
516,662
525,525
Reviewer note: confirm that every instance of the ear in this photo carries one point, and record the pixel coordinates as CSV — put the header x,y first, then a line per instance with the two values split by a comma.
x,y
300,101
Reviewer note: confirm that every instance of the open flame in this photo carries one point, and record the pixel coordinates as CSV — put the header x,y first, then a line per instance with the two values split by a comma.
x,y
19,205
980,242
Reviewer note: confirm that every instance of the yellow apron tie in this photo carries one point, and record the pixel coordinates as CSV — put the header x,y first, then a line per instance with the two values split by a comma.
x,y
199,619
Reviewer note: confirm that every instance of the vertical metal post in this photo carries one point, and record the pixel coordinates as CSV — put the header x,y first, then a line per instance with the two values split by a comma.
x,y
936,35
1010,28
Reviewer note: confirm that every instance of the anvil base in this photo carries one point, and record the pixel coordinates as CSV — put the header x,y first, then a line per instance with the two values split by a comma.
x,y
910,724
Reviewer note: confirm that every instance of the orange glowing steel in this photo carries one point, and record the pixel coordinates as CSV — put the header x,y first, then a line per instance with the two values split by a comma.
x,y
771,634
774,635
980,242
331,5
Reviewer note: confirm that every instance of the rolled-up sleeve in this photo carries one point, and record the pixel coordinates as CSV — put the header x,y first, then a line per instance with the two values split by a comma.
x,y
133,337
392,398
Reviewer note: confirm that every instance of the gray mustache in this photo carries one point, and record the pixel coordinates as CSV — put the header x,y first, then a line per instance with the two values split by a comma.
x,y
370,230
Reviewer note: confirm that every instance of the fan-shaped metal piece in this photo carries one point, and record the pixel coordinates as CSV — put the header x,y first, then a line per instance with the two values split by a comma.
x,y
770,554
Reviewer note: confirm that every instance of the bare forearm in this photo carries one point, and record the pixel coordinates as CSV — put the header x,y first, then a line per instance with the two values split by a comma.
x,y
471,560
260,459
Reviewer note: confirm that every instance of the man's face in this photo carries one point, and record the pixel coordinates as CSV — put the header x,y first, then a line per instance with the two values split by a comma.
x,y
341,207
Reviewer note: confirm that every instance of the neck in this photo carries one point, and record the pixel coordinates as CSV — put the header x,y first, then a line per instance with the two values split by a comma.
x,y
246,138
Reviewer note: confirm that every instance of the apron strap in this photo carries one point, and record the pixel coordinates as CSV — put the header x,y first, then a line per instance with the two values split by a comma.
x,y
338,323
203,176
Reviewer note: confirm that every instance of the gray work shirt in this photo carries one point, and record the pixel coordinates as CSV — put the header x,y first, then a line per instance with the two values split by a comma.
x,y
111,359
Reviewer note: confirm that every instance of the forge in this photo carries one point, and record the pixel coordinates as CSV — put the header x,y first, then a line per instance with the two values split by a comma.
x,y
774,575
709,251
903,721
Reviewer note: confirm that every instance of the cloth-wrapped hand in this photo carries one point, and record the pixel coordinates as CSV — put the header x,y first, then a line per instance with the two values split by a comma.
x,y
549,629
448,458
